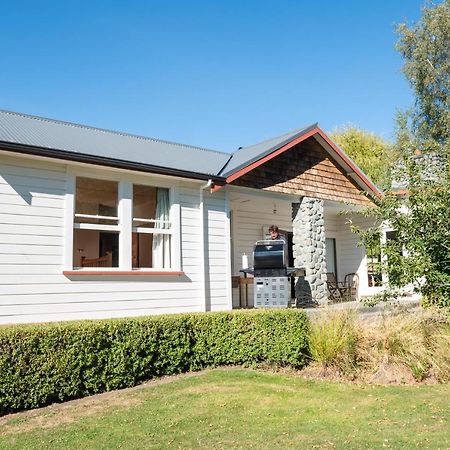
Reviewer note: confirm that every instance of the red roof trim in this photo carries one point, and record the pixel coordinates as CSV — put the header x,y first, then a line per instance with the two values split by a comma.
x,y
371,187
272,155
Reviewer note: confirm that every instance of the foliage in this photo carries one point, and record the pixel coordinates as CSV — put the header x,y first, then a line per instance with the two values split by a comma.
x,y
417,342
47,363
425,48
370,152
420,254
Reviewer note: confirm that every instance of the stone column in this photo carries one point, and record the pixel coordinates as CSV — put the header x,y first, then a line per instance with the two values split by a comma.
x,y
309,251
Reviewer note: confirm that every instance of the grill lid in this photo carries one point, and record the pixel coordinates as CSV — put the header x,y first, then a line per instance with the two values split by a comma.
x,y
270,254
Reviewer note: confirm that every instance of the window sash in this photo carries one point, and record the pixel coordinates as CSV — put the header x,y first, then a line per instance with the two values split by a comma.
x,y
151,230
96,216
96,226
156,221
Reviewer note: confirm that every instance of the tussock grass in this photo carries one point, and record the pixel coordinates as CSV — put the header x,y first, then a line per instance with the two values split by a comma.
x,y
396,348
334,341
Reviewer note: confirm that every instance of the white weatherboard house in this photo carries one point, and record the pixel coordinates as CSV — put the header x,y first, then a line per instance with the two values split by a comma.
x,y
98,224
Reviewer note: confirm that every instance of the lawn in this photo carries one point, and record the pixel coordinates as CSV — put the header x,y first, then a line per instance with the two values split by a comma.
x,y
240,409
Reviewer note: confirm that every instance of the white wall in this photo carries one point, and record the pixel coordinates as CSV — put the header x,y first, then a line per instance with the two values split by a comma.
x,y
250,215
32,286
218,275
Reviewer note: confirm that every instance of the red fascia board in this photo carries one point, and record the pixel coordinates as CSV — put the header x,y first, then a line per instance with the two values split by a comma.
x,y
298,140
270,156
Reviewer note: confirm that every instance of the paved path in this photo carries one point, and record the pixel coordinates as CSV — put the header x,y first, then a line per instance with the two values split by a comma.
x,y
405,303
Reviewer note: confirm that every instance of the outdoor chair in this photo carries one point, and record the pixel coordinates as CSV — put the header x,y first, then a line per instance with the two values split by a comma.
x,y
351,285
346,291
333,288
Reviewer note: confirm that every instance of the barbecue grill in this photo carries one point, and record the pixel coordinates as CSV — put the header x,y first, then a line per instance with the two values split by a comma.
x,y
271,274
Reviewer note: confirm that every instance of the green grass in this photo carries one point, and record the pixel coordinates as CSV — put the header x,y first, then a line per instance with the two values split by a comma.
x,y
240,409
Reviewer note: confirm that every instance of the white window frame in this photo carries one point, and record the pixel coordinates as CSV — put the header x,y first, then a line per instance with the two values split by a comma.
x,y
125,223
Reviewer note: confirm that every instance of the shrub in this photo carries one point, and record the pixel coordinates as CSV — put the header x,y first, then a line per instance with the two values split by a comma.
x,y
41,364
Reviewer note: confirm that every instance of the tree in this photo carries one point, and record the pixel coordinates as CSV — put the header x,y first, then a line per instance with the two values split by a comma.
x,y
370,152
425,47
420,254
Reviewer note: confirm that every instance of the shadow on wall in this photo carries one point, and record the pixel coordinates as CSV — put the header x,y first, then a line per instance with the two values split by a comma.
x,y
26,190
303,294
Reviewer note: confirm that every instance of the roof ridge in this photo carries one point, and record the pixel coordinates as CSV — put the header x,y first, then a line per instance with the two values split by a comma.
x,y
105,130
297,130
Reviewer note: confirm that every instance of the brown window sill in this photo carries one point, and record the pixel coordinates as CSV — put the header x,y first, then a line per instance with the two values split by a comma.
x,y
131,273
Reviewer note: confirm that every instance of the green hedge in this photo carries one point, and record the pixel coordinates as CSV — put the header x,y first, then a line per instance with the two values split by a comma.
x,y
42,364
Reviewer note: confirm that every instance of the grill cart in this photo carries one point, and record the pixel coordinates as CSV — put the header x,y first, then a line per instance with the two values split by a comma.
x,y
271,274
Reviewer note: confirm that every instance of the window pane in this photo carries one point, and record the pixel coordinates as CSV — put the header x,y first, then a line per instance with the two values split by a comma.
x,y
330,255
144,205
373,252
151,251
92,248
96,198
151,207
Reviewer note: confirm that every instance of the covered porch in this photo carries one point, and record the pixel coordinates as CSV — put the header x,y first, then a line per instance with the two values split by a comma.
x,y
301,182
331,247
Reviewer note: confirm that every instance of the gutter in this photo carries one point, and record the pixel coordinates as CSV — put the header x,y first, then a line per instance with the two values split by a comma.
x,y
209,184
105,161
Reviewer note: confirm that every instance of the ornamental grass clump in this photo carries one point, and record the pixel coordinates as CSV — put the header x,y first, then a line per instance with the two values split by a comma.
x,y
439,352
418,344
334,342
395,348
397,343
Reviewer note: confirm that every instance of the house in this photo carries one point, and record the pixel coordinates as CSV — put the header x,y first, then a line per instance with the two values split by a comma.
x,y
97,224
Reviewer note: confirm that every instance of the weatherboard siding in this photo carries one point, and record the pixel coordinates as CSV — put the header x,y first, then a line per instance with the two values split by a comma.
x,y
218,279
32,229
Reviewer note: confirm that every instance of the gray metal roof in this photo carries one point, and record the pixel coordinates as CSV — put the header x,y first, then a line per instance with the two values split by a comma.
x,y
247,155
35,131
105,145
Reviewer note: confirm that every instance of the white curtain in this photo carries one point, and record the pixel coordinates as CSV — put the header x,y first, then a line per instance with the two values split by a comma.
x,y
161,242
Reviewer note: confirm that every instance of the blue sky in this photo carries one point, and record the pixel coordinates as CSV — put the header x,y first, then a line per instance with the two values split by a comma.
x,y
218,74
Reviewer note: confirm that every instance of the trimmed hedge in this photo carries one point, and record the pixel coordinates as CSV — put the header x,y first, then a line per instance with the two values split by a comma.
x,y
42,364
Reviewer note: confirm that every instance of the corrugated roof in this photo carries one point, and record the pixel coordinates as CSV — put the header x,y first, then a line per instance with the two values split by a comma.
x,y
247,155
47,137
83,140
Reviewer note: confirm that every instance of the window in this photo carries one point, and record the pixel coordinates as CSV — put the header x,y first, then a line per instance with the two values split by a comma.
x,y
373,252
117,224
96,224
394,255
330,255
151,227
